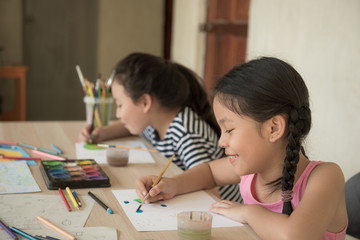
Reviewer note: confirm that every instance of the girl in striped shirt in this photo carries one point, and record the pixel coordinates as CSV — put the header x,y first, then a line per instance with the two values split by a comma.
x,y
165,102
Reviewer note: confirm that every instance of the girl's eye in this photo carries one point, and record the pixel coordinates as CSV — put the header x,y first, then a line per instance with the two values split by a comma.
x,y
228,131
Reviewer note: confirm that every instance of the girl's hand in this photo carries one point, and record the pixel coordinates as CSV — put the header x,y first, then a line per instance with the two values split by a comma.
x,y
233,210
84,134
164,190
97,135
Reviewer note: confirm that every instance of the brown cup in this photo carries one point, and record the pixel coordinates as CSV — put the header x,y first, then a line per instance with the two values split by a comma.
x,y
117,157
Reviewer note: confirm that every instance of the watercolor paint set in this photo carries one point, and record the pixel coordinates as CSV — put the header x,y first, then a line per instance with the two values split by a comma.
x,y
84,173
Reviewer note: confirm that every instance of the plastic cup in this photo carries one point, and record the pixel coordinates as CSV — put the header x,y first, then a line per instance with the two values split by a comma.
x,y
194,225
117,157
102,110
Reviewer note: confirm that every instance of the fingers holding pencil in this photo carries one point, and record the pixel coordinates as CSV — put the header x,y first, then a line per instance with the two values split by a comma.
x,y
154,184
95,134
164,190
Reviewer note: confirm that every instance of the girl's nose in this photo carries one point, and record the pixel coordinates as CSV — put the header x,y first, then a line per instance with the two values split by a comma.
x,y
117,114
222,142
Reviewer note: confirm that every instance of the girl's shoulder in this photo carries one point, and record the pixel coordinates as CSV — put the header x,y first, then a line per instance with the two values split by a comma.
x,y
327,176
326,170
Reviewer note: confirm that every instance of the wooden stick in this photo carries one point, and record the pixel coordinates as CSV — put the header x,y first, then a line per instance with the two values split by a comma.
x,y
125,147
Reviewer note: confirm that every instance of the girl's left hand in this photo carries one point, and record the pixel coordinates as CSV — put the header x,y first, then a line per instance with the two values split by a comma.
x,y
233,210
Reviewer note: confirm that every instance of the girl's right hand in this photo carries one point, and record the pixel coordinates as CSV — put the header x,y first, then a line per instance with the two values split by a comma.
x,y
96,135
164,190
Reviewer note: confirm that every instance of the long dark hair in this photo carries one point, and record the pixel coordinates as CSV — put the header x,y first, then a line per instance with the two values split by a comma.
x,y
171,83
264,88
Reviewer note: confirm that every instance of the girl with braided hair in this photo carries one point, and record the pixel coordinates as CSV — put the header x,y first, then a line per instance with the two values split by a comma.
x,y
263,111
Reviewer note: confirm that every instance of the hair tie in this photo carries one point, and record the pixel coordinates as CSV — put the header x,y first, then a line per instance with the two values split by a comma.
x,y
286,195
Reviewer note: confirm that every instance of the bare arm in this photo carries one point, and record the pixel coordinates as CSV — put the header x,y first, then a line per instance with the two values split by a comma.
x,y
202,176
114,130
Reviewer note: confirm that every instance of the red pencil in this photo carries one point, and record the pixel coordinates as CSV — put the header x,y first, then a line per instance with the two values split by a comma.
x,y
19,158
8,143
64,199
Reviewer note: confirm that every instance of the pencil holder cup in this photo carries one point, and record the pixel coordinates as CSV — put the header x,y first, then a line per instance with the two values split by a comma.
x,y
194,225
98,110
117,157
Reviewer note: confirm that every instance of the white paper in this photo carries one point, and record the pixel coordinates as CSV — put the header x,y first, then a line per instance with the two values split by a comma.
x,y
99,155
20,211
161,216
50,207
15,177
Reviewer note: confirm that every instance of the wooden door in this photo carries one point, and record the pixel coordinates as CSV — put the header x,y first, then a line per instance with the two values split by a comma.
x,y
226,27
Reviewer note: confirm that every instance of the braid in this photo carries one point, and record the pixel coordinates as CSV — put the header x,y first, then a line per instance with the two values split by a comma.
x,y
297,126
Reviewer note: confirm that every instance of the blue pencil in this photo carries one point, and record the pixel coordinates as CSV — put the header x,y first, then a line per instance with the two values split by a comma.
x,y
47,237
37,148
56,149
22,233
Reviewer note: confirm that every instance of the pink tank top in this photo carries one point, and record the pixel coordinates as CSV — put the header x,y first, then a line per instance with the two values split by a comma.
x,y
298,192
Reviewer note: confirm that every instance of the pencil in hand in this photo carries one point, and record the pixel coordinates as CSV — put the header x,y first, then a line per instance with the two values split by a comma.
x,y
91,136
157,180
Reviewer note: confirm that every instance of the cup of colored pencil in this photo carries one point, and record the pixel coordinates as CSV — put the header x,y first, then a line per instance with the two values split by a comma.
x,y
98,100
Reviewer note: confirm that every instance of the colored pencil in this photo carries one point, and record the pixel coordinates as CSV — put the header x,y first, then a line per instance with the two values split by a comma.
x,y
47,155
47,237
81,77
56,149
19,158
22,233
56,228
8,231
77,198
126,147
101,203
91,136
8,143
64,199
37,148
157,180
72,197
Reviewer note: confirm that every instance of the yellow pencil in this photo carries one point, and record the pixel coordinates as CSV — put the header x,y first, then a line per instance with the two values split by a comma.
x,y
72,197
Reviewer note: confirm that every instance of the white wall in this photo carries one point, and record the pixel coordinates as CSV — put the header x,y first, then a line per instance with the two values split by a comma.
x,y
321,39
188,46
126,27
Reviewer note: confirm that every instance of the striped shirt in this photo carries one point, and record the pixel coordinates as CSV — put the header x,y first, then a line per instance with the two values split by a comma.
x,y
193,141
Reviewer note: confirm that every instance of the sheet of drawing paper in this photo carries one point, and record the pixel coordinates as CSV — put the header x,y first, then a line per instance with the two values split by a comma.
x,y
20,211
15,177
161,216
90,151
14,151
85,233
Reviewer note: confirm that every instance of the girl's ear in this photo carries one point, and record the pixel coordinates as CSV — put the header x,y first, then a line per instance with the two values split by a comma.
x,y
146,102
277,127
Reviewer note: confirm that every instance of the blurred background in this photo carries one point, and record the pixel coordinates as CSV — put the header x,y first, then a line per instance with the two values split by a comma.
x,y
321,39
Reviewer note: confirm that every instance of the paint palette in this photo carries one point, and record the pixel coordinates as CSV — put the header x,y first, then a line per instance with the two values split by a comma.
x,y
84,173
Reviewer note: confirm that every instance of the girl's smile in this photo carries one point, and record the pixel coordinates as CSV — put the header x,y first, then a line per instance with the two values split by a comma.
x,y
233,158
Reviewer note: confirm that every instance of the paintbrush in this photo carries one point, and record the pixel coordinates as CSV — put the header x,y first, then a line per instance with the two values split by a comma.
x,y
126,147
156,182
